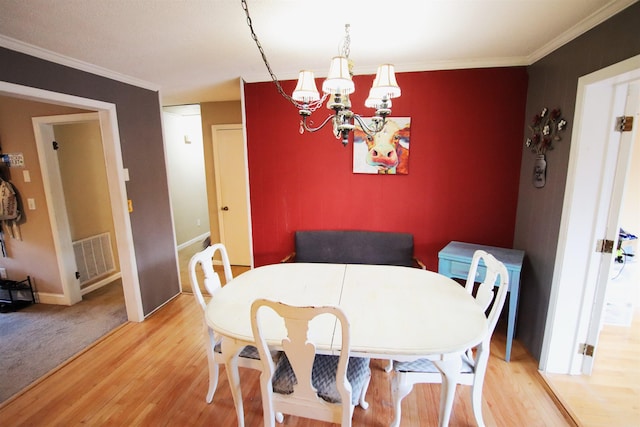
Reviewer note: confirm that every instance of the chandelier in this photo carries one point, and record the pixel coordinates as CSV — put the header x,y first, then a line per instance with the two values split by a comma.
x,y
336,90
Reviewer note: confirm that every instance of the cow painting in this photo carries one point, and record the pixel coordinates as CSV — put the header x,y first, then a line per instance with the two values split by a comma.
x,y
386,152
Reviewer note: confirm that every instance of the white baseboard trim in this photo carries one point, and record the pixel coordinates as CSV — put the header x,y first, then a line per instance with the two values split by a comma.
x,y
101,283
59,299
196,239
47,298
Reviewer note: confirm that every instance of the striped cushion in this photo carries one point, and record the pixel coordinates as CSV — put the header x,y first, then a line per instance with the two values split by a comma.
x,y
323,377
425,365
250,352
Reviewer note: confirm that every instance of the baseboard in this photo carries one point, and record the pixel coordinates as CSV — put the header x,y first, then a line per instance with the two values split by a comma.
x,y
47,298
60,299
196,239
562,406
101,283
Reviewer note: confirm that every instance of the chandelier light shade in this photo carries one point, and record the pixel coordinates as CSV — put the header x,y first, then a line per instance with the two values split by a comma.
x,y
306,90
374,101
339,78
337,87
385,83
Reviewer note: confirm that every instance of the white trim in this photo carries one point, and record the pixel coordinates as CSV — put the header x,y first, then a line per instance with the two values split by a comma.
x,y
49,298
115,174
246,168
568,300
38,52
596,18
196,239
100,283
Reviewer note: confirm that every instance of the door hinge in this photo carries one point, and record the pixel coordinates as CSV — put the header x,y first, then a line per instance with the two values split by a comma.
x,y
624,123
77,275
55,145
604,246
586,349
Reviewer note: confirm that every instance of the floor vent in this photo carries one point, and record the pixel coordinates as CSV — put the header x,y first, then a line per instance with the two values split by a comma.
x,y
94,257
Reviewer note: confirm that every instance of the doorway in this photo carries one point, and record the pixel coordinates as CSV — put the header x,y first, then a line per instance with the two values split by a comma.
x,y
585,213
599,160
116,175
72,147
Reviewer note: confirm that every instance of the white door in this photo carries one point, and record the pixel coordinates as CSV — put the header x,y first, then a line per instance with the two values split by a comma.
x,y
630,96
232,191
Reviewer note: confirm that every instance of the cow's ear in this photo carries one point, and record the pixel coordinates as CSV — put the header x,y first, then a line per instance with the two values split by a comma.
x,y
403,136
359,136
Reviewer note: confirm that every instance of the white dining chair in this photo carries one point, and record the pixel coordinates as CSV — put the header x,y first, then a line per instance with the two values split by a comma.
x,y
474,360
301,382
248,357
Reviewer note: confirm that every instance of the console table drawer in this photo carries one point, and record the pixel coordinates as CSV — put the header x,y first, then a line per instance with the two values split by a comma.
x,y
460,270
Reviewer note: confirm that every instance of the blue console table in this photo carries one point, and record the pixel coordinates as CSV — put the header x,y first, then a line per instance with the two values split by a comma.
x,y
454,260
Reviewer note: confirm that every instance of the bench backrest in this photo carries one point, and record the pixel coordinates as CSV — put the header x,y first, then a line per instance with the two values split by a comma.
x,y
354,247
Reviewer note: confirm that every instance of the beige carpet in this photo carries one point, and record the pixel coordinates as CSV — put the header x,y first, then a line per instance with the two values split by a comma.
x,y
40,337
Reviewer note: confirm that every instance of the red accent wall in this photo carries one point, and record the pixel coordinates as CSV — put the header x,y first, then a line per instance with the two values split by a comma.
x,y
464,165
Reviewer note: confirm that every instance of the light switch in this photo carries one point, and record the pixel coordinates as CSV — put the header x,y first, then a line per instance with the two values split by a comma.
x,y
32,204
26,175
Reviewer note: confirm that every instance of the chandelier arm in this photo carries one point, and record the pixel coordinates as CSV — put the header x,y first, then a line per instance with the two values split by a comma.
x,y
312,129
371,131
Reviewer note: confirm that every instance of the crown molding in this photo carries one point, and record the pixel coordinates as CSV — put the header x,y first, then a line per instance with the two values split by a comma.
x,y
580,28
38,52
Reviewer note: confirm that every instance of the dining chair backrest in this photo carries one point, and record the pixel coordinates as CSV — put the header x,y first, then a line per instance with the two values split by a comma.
x,y
305,398
211,280
495,276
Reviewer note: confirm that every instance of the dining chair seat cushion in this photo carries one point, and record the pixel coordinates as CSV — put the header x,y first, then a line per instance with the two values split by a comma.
x,y
426,365
249,352
323,377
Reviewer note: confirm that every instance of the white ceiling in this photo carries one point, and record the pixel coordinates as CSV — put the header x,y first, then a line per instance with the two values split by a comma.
x,y
196,50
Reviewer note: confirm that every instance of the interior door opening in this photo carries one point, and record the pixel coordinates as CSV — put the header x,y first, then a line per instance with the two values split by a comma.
x,y
116,183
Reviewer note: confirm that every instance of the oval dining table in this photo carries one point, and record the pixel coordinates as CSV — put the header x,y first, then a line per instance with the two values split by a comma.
x,y
395,313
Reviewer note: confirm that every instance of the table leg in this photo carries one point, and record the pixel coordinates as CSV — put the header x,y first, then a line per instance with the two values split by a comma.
x,y
230,350
450,370
511,324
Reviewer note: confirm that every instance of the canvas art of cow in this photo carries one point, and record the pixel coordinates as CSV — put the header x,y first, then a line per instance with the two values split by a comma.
x,y
386,152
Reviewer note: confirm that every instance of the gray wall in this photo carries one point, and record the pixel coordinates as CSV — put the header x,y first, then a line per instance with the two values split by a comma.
x,y
139,122
553,83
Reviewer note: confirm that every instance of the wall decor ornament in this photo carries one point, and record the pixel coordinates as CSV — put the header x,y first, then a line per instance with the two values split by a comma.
x,y
545,130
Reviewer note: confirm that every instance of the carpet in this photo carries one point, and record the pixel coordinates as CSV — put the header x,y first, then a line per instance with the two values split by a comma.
x,y
40,337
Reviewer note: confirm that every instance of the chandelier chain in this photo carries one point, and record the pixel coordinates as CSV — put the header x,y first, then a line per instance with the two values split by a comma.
x,y
313,106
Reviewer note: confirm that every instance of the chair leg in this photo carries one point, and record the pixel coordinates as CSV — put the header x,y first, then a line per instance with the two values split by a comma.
x,y
214,373
363,394
213,368
476,402
268,413
400,387
482,358
450,370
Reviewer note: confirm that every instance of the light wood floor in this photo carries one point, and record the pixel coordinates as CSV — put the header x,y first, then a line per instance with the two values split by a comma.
x,y
154,374
611,395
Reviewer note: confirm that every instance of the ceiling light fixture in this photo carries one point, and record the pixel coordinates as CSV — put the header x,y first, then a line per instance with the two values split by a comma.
x,y
336,88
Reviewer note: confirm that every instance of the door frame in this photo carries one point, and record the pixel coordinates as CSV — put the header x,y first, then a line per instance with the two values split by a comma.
x,y
584,212
116,177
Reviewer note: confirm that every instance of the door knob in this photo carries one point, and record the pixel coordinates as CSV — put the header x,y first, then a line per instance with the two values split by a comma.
x,y
224,208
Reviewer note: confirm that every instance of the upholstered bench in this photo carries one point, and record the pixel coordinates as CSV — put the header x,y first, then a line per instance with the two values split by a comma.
x,y
354,247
